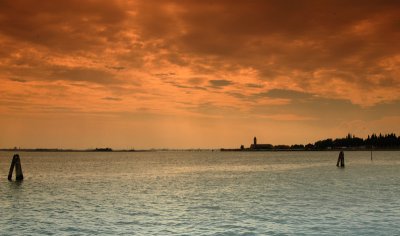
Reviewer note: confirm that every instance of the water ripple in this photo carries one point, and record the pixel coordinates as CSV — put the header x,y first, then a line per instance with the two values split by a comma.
x,y
205,193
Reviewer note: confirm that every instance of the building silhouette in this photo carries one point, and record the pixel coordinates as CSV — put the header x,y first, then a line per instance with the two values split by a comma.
x,y
256,146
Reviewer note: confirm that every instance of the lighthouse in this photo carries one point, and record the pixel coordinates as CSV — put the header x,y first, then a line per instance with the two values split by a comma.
x,y
258,147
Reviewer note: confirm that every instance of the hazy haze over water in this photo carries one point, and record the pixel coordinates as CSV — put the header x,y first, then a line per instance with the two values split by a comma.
x,y
198,193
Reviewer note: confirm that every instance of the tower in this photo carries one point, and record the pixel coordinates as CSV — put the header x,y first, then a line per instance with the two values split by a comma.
x,y
255,141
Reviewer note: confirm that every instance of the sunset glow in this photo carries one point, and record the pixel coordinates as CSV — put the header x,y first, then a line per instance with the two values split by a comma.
x,y
196,74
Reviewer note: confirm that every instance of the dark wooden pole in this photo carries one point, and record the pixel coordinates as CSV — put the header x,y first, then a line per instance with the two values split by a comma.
x,y
18,170
11,168
340,160
16,163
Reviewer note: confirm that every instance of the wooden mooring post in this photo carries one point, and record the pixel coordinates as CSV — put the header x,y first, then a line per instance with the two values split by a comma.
x,y
16,164
340,160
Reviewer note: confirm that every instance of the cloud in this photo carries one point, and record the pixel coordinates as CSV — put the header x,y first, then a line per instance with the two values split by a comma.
x,y
308,45
18,80
63,26
311,62
118,68
112,99
297,40
196,80
220,83
282,93
250,85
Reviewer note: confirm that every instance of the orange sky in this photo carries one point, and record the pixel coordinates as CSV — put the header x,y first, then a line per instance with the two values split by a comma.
x,y
196,74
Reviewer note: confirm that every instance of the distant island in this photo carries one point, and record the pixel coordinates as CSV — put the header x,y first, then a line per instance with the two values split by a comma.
x,y
350,142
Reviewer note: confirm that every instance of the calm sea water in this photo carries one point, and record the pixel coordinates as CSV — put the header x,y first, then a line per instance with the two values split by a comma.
x,y
201,193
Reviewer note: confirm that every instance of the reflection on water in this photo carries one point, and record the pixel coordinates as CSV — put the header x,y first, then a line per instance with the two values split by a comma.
x,y
15,185
201,193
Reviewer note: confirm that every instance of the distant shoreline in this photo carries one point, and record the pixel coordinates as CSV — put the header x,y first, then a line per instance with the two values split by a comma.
x,y
201,150
94,150
386,142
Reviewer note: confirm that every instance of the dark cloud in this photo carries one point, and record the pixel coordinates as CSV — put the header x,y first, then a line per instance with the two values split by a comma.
x,y
18,80
283,38
196,80
112,99
348,40
69,25
184,86
308,45
164,75
239,95
117,68
220,83
250,85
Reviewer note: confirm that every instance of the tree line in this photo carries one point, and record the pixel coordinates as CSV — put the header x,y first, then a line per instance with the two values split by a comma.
x,y
374,141
351,141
